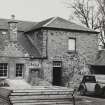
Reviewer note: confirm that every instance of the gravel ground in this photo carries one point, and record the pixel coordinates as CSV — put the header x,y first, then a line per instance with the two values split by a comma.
x,y
83,100
4,100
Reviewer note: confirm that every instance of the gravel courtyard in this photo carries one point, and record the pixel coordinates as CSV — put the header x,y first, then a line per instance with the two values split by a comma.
x,y
84,100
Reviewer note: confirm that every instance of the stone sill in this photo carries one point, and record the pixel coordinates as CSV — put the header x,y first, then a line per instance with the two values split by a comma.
x,y
71,51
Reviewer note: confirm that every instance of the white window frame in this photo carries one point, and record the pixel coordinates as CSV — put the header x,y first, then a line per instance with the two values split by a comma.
x,y
72,44
2,67
57,64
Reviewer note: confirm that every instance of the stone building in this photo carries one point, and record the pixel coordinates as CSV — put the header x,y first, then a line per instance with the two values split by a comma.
x,y
98,67
55,50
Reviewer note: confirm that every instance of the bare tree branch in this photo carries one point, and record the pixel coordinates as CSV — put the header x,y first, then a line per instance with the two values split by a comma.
x,y
84,12
101,20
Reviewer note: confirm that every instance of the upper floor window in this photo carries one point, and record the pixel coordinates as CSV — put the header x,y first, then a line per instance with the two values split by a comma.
x,y
4,32
19,70
72,44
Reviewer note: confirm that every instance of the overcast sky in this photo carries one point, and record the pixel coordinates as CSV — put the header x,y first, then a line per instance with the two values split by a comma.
x,y
33,10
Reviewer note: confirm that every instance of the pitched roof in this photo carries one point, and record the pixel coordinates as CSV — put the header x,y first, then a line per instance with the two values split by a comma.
x,y
54,22
22,25
60,23
100,59
39,24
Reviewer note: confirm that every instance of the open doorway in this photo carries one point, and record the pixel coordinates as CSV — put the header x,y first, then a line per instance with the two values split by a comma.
x,y
57,76
57,73
98,69
33,75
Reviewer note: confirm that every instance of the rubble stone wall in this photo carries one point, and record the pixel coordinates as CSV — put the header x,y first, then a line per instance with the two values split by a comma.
x,y
74,64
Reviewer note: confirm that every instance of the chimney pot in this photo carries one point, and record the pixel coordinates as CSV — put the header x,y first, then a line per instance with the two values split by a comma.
x,y
13,16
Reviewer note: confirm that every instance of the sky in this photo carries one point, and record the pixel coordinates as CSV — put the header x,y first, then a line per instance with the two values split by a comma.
x,y
33,10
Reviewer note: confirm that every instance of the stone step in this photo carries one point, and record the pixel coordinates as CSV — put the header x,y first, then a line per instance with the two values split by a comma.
x,y
35,90
40,93
45,103
40,97
42,100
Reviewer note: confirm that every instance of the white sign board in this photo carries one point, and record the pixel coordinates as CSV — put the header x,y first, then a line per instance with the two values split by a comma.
x,y
34,64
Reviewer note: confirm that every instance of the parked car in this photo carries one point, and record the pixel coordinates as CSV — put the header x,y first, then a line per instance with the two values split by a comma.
x,y
100,86
92,84
88,85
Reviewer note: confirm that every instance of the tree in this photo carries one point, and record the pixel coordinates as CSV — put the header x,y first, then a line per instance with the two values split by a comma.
x,y
85,12
90,13
101,21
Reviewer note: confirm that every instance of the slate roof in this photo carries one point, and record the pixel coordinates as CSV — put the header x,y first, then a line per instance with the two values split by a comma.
x,y
54,22
100,59
22,25
59,23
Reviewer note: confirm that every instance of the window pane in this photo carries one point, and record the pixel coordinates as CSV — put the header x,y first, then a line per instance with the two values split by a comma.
x,y
5,74
5,71
71,44
57,63
1,71
1,74
1,67
5,67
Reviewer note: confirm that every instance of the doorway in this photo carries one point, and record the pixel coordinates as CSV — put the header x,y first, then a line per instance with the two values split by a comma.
x,y
57,80
33,74
98,69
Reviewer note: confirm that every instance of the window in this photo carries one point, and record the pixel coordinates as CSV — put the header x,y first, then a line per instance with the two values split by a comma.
x,y
3,69
4,32
57,64
19,70
72,44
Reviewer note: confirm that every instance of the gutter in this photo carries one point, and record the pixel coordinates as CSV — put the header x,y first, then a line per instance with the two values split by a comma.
x,y
63,29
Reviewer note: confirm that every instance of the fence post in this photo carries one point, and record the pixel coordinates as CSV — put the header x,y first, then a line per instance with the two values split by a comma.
x,y
73,97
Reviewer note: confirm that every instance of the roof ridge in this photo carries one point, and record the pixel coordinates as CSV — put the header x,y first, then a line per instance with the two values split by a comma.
x,y
76,24
66,24
7,19
46,24
40,24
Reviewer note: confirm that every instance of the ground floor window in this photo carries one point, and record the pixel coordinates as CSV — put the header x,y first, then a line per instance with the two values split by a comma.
x,y
19,70
3,69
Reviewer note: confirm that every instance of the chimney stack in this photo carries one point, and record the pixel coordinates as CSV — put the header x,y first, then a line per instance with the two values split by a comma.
x,y
13,28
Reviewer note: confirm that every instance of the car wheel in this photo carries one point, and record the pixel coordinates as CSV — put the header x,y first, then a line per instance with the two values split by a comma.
x,y
97,89
103,92
82,91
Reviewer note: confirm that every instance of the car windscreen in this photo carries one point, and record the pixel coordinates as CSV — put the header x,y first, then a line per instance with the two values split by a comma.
x,y
89,79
